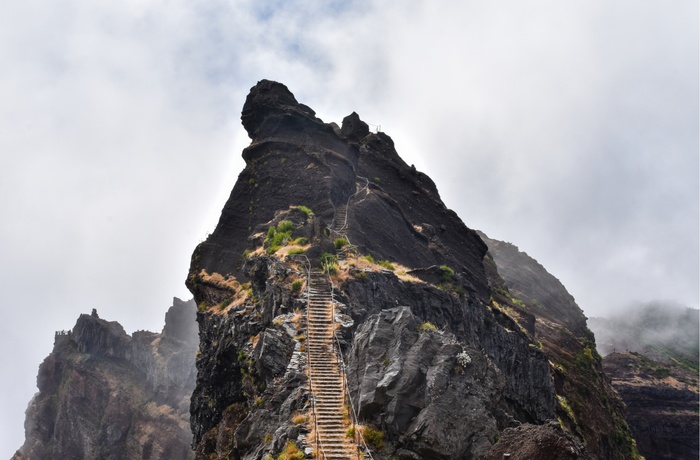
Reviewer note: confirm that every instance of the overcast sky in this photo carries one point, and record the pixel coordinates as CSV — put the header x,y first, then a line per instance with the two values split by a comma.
x,y
567,128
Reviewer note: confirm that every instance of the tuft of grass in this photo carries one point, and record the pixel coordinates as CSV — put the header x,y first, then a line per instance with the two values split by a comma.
x,y
351,432
299,419
360,275
291,452
386,264
340,243
305,210
369,258
301,241
293,251
373,437
285,226
427,326
296,285
329,263
446,274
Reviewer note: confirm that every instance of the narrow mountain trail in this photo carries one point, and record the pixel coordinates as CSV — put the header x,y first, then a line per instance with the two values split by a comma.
x,y
325,375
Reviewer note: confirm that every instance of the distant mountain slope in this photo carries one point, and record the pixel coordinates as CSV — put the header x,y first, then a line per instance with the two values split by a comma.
x,y
661,331
662,404
588,406
106,395
651,355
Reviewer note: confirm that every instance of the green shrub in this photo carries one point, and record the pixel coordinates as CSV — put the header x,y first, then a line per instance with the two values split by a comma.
x,y
271,233
301,241
373,437
340,243
446,274
296,285
293,251
226,303
369,258
329,263
386,264
427,326
305,210
285,226
351,432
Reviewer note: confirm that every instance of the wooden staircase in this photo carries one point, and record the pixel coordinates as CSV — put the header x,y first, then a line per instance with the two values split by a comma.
x,y
325,375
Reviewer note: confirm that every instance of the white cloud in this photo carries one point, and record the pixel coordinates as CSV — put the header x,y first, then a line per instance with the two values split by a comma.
x,y
570,129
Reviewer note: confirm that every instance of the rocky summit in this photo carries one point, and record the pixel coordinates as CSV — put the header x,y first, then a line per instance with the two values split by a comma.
x,y
345,312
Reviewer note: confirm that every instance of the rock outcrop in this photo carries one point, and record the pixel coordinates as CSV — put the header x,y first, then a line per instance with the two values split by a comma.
x,y
441,360
106,395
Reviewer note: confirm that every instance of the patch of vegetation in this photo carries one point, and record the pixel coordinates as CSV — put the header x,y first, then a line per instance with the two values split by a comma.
x,y
301,241
305,210
446,274
360,275
296,285
369,259
329,263
267,438
278,237
351,432
340,243
246,254
564,404
386,264
291,452
294,251
373,437
377,179
226,303
427,326
285,226
299,419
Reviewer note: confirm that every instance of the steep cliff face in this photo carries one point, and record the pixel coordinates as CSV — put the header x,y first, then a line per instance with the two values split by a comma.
x,y
106,395
651,355
662,404
588,405
434,364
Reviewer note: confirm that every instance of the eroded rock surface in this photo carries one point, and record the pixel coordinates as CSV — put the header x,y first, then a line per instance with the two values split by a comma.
x,y
106,395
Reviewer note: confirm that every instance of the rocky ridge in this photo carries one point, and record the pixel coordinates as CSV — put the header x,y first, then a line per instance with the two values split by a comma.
x,y
588,406
442,361
106,395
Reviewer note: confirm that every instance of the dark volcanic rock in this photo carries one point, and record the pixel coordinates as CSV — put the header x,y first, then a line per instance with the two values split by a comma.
x,y
441,359
106,395
662,404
